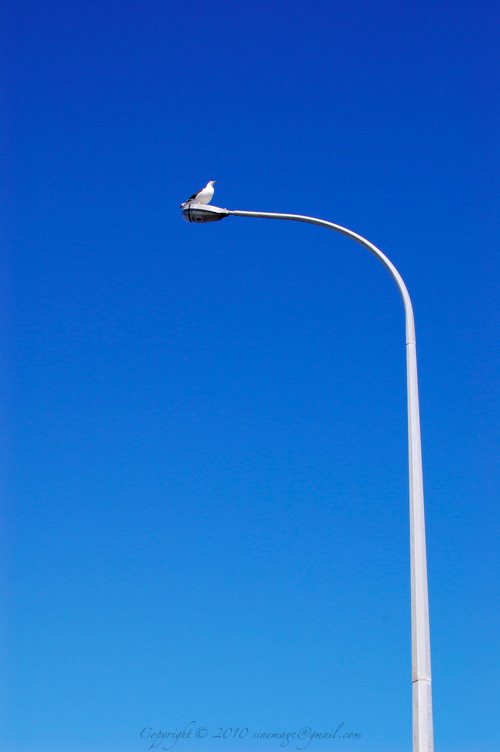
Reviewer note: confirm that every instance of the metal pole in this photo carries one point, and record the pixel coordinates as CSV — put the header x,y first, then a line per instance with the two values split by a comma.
x,y
423,738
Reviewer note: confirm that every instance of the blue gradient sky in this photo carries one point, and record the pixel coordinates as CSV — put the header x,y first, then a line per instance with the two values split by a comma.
x,y
207,513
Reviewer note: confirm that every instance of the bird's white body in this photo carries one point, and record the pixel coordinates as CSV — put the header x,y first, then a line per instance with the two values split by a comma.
x,y
201,197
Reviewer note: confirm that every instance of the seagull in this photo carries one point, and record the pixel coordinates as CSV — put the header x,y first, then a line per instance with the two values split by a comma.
x,y
201,197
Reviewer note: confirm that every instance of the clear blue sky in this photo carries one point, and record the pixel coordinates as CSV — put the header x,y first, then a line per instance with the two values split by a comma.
x,y
207,514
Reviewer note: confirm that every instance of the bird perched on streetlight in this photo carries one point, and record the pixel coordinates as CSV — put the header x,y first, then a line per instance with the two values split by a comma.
x,y
201,197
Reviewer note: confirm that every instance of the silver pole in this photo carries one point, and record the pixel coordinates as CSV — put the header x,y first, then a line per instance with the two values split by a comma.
x,y
423,737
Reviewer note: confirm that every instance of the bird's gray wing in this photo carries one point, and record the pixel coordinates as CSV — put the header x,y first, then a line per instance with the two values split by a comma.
x,y
194,195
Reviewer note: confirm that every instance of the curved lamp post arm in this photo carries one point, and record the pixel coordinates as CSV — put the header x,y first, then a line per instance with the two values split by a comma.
x,y
423,737
410,324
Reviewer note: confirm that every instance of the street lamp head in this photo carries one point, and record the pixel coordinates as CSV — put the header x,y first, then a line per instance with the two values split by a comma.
x,y
203,213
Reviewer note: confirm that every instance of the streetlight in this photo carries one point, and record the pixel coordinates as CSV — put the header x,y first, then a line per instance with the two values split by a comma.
x,y
423,738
